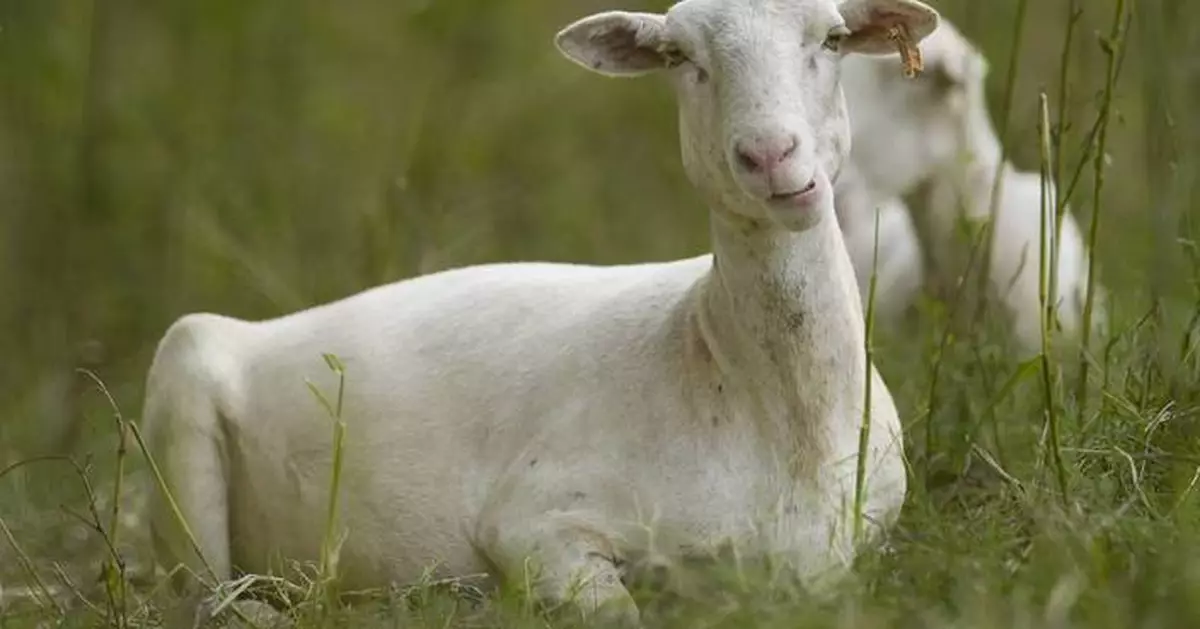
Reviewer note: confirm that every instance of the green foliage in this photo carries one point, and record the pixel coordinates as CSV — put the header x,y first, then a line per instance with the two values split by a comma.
x,y
253,157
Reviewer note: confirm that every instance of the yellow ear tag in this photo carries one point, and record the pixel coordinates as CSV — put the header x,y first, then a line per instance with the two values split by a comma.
x,y
910,54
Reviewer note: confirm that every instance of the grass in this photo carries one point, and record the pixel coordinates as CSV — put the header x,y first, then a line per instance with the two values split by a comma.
x,y
864,430
331,542
253,158
1047,276
1112,49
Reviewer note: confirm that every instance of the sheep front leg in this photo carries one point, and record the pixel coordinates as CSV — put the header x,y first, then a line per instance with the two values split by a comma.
x,y
564,560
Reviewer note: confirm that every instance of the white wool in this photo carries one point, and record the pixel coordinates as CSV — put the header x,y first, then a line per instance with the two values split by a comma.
x,y
937,129
1016,249
586,421
896,261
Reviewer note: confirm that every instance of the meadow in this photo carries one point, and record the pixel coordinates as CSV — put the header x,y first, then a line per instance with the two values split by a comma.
x,y
256,157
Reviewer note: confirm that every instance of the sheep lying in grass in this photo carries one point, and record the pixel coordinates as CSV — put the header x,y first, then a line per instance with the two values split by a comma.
x,y
937,128
577,420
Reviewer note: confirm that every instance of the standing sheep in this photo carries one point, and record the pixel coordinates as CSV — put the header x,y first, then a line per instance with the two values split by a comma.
x,y
1017,231
938,129
577,420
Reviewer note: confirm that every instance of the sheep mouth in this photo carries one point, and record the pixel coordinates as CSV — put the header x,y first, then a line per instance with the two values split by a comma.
x,y
794,195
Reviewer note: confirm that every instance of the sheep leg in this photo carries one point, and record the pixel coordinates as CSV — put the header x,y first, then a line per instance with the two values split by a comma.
x,y
899,269
564,560
183,429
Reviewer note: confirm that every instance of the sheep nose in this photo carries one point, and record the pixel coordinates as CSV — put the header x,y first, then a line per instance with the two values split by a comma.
x,y
763,154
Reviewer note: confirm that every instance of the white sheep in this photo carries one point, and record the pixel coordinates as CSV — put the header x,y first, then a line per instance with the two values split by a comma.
x,y
905,133
937,129
1016,247
897,259
579,421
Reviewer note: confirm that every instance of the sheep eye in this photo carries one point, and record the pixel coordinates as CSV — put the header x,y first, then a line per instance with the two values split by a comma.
x,y
833,41
673,55
942,80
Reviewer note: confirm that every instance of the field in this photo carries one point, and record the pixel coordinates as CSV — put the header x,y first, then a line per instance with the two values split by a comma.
x,y
254,158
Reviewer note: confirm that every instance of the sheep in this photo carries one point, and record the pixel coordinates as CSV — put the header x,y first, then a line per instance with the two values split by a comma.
x,y
937,129
571,425
1017,233
905,133
896,260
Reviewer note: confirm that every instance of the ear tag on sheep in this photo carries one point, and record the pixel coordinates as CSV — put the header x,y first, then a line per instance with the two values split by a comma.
x,y
910,54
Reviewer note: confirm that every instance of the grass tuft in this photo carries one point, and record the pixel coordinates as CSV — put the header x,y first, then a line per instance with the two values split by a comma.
x,y
331,542
864,431
1048,297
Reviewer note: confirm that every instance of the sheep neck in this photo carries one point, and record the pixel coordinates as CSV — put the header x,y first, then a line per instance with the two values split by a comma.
x,y
781,317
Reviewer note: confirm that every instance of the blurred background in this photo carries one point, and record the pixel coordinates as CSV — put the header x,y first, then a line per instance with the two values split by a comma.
x,y
254,157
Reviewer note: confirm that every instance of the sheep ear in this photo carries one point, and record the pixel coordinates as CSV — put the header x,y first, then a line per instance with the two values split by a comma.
x,y
616,43
875,24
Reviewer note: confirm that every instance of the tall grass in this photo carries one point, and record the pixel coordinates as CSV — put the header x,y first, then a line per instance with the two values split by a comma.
x,y
864,432
1112,47
1005,122
1048,296
331,541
